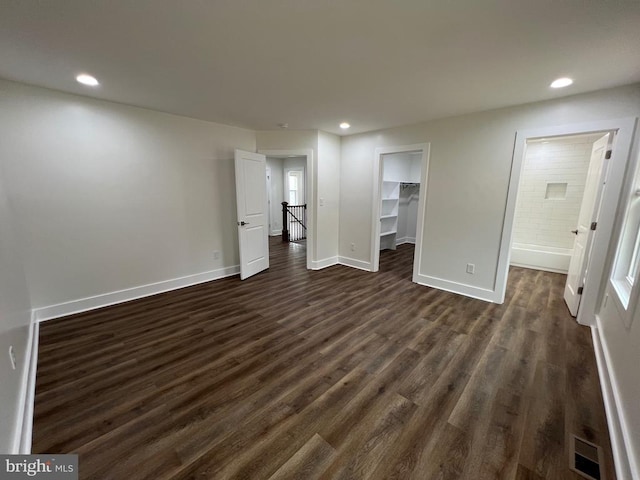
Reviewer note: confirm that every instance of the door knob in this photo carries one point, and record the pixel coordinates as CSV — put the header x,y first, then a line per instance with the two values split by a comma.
x,y
574,231
242,224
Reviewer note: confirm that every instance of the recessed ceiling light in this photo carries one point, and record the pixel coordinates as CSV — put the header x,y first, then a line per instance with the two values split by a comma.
x,y
88,80
344,125
561,82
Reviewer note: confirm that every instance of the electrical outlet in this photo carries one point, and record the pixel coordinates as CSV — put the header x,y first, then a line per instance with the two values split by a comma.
x,y
353,247
216,255
471,268
12,357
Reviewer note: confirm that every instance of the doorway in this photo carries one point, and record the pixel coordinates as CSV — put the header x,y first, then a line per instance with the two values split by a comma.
x,y
400,179
289,180
561,184
288,203
604,204
399,199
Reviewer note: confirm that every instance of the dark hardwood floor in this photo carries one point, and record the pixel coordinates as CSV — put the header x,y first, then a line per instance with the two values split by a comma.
x,y
332,374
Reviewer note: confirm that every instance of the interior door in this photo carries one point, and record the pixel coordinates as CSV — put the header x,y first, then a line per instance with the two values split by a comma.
x,y
253,218
584,234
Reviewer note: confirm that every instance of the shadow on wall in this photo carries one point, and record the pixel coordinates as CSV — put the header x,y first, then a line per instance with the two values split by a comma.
x,y
15,318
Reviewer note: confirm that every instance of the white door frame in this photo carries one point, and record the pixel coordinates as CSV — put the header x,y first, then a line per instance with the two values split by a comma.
x,y
377,200
269,200
593,288
309,194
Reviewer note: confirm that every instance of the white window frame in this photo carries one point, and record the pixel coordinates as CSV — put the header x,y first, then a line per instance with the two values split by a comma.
x,y
626,265
299,178
634,261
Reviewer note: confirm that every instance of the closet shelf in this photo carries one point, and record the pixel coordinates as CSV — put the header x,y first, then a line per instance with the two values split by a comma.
x,y
388,216
389,199
391,232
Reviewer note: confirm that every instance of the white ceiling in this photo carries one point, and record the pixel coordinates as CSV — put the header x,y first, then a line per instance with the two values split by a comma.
x,y
313,63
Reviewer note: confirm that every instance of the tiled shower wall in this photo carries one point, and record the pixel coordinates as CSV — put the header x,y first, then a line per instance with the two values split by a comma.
x,y
545,212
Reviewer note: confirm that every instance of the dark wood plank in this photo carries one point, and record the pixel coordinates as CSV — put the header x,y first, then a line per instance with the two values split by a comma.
x,y
361,449
307,463
543,449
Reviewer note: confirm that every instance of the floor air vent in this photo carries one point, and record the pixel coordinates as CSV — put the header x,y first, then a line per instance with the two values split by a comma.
x,y
585,458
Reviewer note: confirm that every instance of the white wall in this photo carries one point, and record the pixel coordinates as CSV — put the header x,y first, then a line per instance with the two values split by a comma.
x,y
470,164
110,197
415,171
277,194
401,167
328,194
396,167
548,221
15,316
620,340
408,215
622,347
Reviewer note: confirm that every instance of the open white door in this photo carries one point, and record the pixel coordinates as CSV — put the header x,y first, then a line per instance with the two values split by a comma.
x,y
584,233
253,220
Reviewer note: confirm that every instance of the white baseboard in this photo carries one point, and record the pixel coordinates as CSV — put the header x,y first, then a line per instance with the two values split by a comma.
x,y
23,432
531,256
625,464
538,267
352,262
455,287
327,262
275,233
402,240
119,296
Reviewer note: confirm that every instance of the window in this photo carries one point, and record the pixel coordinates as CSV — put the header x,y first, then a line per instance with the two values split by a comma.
x,y
633,268
627,262
295,187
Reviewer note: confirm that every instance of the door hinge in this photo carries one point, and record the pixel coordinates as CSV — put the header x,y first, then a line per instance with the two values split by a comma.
x,y
607,156
580,290
594,225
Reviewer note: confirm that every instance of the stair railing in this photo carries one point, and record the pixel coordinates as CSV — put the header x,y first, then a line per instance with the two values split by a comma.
x,y
294,222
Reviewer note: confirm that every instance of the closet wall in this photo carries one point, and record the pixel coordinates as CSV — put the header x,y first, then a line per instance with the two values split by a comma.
x,y
408,213
400,192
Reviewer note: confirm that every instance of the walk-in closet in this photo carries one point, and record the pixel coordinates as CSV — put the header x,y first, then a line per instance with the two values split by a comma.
x,y
400,193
